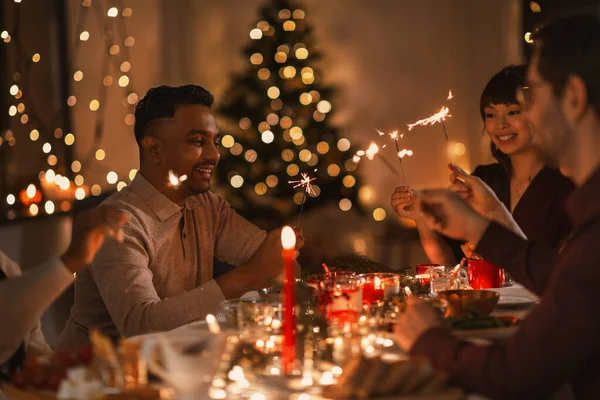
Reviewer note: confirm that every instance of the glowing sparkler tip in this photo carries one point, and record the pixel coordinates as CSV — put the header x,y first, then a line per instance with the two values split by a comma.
x,y
394,135
304,182
174,180
372,150
435,118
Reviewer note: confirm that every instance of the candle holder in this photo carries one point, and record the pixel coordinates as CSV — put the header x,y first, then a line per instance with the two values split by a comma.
x,y
443,279
379,286
340,297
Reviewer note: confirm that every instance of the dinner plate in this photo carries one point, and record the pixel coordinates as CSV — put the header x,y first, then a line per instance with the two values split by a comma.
x,y
511,301
492,334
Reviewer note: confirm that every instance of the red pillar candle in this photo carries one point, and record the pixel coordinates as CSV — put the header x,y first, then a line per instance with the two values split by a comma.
x,y
288,242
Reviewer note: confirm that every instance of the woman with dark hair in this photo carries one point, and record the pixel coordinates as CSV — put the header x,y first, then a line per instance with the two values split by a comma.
x,y
533,192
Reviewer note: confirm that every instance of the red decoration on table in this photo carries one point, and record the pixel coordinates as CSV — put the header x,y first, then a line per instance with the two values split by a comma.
x,y
484,275
422,269
373,291
327,271
288,242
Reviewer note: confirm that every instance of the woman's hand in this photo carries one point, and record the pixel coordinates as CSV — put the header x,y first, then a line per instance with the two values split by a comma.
x,y
402,202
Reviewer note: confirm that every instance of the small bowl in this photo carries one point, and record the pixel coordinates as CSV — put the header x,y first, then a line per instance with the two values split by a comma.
x,y
469,303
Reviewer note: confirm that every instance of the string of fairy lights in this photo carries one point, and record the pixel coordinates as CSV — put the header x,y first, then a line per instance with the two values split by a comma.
x,y
57,191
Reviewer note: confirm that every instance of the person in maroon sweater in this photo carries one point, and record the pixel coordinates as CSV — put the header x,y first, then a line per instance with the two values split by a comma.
x,y
559,342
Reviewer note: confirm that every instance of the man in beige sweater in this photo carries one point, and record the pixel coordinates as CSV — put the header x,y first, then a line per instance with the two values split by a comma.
x,y
161,276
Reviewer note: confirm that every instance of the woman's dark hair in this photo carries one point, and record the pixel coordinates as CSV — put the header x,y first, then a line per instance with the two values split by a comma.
x,y
502,89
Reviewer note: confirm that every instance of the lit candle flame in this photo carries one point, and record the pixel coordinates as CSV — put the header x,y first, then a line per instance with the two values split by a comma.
x,y
175,180
288,238
435,118
304,182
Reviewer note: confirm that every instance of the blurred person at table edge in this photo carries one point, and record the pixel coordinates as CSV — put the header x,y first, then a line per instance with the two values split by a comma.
x,y
25,297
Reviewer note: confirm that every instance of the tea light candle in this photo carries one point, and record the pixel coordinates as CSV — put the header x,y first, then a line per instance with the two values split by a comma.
x,y
379,286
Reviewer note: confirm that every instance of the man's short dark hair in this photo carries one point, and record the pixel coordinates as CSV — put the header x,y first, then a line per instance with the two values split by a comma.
x,y
571,46
162,102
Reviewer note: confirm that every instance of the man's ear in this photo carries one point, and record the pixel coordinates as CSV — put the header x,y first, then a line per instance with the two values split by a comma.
x,y
152,148
575,98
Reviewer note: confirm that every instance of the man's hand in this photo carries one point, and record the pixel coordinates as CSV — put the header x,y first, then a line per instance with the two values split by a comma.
x,y
402,203
265,265
418,317
445,212
267,260
472,189
89,229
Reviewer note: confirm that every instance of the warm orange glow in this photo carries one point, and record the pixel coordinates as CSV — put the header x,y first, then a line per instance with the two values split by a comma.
x,y
288,238
372,150
450,96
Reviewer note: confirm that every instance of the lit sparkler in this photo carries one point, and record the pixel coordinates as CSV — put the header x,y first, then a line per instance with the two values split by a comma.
x,y
439,116
370,153
305,183
175,180
395,135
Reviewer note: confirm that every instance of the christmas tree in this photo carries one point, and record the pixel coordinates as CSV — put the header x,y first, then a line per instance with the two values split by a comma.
x,y
277,117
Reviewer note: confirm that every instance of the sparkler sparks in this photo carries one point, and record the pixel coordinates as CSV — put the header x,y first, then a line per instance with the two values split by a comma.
x,y
175,180
439,116
372,150
405,152
450,96
305,182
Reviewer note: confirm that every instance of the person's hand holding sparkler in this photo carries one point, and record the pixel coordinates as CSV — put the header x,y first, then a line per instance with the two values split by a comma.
x,y
263,267
402,203
446,212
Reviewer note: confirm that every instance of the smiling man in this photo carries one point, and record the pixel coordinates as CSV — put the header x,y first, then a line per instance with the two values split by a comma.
x,y
161,277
